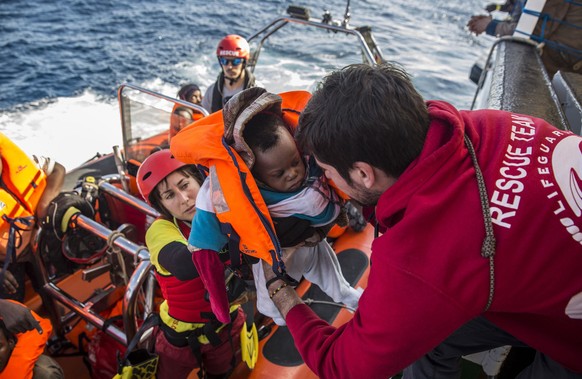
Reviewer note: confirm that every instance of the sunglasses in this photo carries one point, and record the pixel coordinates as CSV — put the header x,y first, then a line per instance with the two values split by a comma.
x,y
235,62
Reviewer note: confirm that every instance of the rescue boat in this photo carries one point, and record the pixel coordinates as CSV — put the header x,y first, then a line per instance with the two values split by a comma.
x,y
97,283
107,289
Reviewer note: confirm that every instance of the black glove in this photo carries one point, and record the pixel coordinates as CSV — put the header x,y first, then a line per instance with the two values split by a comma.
x,y
62,208
291,231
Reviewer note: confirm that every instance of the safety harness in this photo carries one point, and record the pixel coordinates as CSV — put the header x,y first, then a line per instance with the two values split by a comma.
x,y
217,101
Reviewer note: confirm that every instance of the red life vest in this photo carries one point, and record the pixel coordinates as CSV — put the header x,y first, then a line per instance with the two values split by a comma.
x,y
185,299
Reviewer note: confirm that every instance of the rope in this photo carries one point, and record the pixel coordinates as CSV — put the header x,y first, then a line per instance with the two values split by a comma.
x,y
117,251
136,258
546,18
310,301
112,237
488,247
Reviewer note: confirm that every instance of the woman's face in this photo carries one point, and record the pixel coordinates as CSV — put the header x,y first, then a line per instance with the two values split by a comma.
x,y
178,195
196,97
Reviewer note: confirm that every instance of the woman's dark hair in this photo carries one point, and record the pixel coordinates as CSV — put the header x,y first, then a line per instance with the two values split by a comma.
x,y
186,91
365,113
155,199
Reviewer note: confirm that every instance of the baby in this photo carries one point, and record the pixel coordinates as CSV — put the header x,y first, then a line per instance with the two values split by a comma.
x,y
290,187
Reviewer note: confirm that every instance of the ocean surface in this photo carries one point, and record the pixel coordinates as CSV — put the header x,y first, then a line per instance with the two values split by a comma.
x,y
61,62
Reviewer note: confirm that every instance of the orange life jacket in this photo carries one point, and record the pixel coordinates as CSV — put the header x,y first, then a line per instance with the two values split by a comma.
x,y
22,185
239,206
29,346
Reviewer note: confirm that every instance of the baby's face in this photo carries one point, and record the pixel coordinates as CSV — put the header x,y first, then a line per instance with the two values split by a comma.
x,y
281,167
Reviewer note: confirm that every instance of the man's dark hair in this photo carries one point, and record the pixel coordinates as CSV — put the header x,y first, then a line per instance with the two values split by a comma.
x,y
371,114
155,198
261,131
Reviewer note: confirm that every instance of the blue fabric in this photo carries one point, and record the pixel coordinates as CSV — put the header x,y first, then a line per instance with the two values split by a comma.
x,y
491,27
205,232
272,197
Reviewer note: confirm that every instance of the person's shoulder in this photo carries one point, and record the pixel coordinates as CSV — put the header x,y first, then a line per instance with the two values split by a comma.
x,y
207,98
160,232
210,89
160,225
46,164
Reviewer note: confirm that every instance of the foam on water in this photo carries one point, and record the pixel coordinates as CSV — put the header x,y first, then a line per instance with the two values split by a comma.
x,y
70,130
62,64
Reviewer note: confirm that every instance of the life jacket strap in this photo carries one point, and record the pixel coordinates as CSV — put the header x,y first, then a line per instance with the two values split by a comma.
x,y
17,225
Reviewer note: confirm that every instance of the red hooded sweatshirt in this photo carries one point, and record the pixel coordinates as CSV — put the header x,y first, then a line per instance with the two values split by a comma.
x,y
427,275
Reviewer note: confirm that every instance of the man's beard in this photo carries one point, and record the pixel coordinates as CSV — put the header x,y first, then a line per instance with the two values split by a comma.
x,y
364,196
231,81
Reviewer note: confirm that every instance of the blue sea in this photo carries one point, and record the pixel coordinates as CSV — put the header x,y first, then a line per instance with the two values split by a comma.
x,y
61,62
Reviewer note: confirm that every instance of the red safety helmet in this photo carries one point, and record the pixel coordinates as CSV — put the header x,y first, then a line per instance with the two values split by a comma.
x,y
233,46
154,169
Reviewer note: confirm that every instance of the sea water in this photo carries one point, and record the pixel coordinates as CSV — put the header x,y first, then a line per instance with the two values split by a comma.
x,y
61,62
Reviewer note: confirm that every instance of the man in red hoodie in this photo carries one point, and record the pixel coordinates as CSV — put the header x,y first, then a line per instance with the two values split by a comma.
x,y
481,247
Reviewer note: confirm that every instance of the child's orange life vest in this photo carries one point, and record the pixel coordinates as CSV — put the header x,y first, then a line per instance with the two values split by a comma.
x,y
238,203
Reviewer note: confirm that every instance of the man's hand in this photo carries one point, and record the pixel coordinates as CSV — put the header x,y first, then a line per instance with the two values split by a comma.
x,y
478,24
10,283
283,296
17,317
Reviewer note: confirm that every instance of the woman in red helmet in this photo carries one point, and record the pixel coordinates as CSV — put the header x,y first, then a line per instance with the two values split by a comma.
x,y
189,336
232,52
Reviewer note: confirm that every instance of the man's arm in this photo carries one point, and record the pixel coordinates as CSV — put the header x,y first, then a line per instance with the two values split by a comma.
x,y
54,184
283,295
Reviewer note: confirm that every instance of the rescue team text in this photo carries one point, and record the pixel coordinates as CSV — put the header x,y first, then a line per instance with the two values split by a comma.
x,y
505,198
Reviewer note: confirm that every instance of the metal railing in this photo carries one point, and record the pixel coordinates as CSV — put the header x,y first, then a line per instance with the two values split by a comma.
x,y
366,45
139,286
